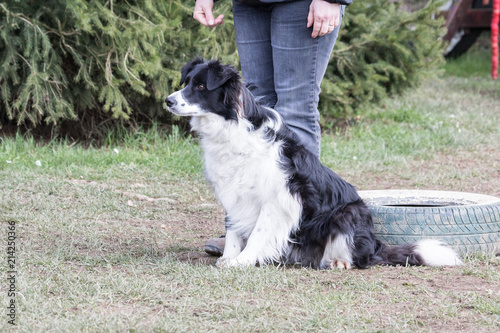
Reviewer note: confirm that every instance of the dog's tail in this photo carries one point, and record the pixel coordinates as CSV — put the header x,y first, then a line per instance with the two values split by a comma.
x,y
427,252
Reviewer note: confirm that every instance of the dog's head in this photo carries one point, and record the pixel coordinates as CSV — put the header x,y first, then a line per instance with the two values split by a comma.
x,y
210,87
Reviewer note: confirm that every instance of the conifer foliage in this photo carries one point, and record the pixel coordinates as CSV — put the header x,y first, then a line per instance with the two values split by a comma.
x,y
89,62
382,50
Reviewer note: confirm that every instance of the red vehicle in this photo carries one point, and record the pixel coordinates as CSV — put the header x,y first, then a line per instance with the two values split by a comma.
x,y
465,20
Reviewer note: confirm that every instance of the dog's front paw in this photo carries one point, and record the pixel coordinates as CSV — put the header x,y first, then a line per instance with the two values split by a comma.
x,y
225,262
228,262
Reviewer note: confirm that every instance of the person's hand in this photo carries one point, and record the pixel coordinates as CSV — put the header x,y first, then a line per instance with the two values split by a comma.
x,y
323,16
203,13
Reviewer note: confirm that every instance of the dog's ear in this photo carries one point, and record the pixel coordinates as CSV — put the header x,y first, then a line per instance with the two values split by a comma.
x,y
188,68
219,74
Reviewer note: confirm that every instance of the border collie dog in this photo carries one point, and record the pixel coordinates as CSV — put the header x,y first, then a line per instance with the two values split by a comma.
x,y
282,204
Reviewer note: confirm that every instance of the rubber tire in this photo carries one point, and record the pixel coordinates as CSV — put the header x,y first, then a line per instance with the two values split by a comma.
x,y
468,222
465,43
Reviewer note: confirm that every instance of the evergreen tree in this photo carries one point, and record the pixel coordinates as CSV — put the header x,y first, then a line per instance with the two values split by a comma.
x,y
95,60
381,51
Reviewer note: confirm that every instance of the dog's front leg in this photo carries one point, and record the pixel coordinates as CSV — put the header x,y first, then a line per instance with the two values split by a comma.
x,y
234,244
268,240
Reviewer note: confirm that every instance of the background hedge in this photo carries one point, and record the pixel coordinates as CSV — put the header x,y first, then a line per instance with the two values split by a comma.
x,y
79,66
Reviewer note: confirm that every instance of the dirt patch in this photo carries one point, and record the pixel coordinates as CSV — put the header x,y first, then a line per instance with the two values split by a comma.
x,y
444,172
197,258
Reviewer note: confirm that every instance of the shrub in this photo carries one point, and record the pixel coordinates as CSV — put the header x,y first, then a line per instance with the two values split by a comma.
x,y
95,62
381,51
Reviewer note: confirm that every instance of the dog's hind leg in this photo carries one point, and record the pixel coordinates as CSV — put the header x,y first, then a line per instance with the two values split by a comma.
x,y
338,252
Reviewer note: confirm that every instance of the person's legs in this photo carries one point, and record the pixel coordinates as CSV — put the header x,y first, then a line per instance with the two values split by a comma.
x,y
284,63
252,26
300,63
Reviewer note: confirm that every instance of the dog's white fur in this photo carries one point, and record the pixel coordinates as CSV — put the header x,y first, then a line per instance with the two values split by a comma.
x,y
187,109
338,253
435,253
244,171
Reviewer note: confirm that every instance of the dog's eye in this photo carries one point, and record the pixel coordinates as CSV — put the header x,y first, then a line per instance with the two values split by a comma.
x,y
200,86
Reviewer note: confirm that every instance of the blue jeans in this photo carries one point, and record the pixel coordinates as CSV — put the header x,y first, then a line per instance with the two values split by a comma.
x,y
279,57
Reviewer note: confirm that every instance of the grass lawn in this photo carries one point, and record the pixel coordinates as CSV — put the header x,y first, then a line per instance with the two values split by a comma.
x,y
111,238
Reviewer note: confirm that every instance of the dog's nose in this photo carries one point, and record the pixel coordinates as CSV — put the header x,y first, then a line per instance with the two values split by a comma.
x,y
170,102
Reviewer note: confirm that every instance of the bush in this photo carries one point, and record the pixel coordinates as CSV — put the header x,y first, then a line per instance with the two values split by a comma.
x,y
88,63
381,51
94,61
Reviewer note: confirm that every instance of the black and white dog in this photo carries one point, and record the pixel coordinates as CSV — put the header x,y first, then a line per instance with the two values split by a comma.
x,y
282,204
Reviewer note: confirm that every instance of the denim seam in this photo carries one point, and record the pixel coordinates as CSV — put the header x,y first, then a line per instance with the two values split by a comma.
x,y
313,92
253,41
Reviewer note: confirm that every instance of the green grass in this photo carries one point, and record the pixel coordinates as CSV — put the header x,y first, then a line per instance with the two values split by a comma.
x,y
441,116
158,151
170,296
111,241
477,62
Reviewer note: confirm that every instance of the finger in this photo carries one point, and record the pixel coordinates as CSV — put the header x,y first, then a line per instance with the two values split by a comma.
x,y
200,17
332,25
324,28
316,29
337,20
210,18
310,18
219,20
203,13
319,20
321,27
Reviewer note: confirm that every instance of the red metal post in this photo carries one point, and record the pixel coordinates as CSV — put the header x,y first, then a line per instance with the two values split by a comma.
x,y
494,39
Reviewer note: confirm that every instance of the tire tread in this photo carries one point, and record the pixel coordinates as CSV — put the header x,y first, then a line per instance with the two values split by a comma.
x,y
472,228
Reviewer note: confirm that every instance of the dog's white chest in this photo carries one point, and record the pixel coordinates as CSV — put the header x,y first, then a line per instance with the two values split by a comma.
x,y
243,168
247,172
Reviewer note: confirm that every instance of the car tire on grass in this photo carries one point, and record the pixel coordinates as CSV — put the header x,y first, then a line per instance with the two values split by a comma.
x,y
468,222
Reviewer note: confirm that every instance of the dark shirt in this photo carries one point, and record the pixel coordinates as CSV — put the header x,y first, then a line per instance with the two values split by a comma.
x,y
264,2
